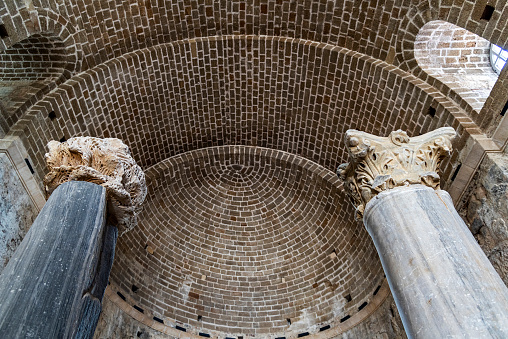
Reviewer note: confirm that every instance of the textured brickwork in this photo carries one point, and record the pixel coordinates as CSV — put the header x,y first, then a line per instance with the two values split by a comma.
x,y
458,58
185,81
244,239
385,30
28,68
485,211
465,14
50,52
290,95
35,58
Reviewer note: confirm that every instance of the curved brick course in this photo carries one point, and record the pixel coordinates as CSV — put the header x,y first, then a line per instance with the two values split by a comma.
x,y
287,94
385,30
246,238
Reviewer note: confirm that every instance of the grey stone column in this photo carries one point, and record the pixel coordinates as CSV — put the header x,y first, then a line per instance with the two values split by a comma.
x,y
54,284
443,284
51,275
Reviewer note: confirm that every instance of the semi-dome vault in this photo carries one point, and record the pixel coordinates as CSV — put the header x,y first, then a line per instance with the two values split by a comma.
x,y
237,111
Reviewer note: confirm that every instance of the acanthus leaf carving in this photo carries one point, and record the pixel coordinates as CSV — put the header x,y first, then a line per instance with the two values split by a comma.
x,y
381,163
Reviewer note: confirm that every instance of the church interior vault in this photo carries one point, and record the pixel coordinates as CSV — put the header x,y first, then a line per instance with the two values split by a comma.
x,y
237,112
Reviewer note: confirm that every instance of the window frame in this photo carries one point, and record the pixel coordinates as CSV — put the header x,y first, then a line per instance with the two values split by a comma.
x,y
495,56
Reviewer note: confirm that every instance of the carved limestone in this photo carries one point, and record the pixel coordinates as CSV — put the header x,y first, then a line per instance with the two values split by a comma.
x,y
380,163
106,162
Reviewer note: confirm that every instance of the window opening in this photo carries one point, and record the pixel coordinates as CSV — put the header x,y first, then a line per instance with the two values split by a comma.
x,y
498,57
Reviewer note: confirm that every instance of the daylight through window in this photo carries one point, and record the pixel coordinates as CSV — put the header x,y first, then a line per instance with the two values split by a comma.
x,y
498,57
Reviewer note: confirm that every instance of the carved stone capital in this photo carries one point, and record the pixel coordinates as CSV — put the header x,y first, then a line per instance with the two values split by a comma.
x,y
106,162
380,163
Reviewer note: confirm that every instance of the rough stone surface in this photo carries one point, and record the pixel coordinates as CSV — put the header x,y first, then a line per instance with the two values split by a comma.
x,y
115,323
17,211
385,323
485,211
106,162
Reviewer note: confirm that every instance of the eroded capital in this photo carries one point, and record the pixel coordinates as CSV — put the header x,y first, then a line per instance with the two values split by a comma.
x,y
106,162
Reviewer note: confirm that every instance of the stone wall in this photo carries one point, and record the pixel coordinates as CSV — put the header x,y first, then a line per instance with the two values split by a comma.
x,y
17,211
485,210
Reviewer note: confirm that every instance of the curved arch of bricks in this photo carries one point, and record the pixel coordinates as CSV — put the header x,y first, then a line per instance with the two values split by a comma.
x,y
236,237
47,29
173,98
467,17
384,32
458,58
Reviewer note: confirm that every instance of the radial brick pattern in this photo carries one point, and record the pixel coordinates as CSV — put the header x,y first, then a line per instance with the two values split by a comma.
x,y
245,239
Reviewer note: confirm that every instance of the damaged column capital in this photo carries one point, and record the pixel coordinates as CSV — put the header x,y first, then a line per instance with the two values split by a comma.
x,y
54,284
443,284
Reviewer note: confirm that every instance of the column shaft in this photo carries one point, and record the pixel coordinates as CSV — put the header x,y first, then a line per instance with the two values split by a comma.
x,y
442,282
53,276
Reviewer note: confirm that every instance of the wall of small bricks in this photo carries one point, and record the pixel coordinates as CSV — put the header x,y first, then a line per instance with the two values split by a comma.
x,y
183,79
285,94
385,30
246,241
28,67
35,58
458,58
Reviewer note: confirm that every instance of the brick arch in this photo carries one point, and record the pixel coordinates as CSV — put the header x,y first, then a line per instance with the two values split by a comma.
x,y
466,17
44,21
196,93
42,54
458,58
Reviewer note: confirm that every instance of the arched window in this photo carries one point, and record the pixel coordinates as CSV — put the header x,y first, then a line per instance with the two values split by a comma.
x,y
498,57
29,68
459,59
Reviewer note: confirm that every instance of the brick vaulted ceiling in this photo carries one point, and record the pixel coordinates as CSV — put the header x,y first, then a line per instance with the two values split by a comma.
x,y
243,236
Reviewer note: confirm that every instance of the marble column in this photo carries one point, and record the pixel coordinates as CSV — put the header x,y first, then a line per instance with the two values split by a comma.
x,y
443,284
54,284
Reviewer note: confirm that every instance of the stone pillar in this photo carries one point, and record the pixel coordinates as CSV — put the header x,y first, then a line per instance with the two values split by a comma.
x,y
443,284
54,284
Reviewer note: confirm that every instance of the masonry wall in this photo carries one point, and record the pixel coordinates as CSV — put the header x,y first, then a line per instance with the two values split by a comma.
x,y
384,323
485,210
17,211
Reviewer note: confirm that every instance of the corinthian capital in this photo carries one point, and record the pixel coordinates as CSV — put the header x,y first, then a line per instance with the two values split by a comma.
x,y
379,163
106,162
